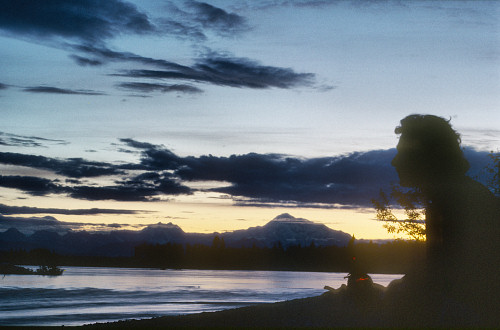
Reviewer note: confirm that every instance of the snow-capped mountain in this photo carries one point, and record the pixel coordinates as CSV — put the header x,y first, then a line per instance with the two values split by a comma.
x,y
288,231
284,229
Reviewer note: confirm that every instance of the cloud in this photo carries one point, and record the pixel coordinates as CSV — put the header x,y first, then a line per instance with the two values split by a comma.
x,y
271,178
103,54
84,27
213,68
28,225
195,19
164,88
3,86
145,190
350,180
139,145
136,189
347,180
215,18
229,71
84,61
56,90
17,210
183,30
71,167
14,140
143,187
86,20
33,185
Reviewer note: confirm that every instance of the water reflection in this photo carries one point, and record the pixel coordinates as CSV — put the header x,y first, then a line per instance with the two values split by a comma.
x,y
88,295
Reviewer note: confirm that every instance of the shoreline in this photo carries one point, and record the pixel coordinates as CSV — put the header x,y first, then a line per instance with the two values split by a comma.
x,y
338,308
399,305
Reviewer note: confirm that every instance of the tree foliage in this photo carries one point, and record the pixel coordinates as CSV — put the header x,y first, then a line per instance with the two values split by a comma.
x,y
493,170
411,201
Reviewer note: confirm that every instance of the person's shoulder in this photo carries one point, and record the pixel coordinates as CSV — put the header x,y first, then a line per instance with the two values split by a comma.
x,y
481,193
476,186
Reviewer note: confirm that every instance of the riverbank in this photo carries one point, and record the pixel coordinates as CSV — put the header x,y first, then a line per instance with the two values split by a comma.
x,y
340,307
329,309
376,306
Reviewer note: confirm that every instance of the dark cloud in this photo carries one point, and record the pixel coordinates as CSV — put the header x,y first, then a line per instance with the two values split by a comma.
x,y
130,190
164,88
183,30
3,86
141,188
84,61
139,145
270,178
219,20
84,27
33,185
195,19
17,210
72,167
85,20
14,140
28,225
103,54
251,179
229,71
350,180
56,90
136,189
213,68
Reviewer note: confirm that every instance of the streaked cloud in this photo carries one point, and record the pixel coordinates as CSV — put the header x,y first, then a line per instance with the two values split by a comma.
x,y
143,87
57,90
71,167
15,140
29,225
18,210
221,70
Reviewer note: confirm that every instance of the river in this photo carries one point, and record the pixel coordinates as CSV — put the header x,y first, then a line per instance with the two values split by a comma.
x,y
86,295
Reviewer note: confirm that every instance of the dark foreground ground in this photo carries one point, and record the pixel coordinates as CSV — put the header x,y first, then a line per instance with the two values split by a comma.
x,y
401,304
373,306
327,310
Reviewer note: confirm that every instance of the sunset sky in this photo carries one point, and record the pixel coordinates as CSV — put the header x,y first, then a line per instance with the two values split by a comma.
x,y
221,115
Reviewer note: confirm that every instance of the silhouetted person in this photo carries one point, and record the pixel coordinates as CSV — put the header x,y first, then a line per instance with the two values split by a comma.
x,y
462,222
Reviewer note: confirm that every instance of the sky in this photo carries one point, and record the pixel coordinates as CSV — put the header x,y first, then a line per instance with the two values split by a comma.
x,y
221,115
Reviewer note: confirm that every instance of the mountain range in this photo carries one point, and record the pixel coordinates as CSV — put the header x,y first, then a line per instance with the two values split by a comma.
x,y
284,229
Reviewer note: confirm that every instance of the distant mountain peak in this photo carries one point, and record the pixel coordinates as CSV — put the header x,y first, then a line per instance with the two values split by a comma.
x,y
287,218
161,225
284,216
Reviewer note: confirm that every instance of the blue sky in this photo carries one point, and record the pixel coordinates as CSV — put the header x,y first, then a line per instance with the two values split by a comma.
x,y
134,107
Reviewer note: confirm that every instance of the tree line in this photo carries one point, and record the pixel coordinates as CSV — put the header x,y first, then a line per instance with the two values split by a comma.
x,y
391,257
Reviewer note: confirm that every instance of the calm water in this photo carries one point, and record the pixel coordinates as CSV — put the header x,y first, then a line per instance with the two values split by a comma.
x,y
87,295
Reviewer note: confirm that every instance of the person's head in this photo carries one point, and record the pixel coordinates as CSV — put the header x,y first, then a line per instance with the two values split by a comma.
x,y
428,152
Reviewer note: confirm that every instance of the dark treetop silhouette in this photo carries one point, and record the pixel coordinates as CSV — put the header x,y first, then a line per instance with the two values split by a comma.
x,y
462,223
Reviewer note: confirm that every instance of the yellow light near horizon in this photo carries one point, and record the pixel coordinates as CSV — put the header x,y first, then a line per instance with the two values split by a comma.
x,y
205,214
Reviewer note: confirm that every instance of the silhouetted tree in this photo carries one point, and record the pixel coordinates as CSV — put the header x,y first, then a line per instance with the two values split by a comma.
x,y
411,200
